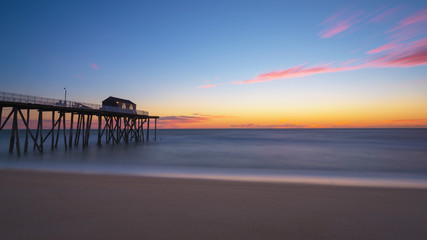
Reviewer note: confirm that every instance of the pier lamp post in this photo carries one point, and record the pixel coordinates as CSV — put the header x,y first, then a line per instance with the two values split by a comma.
x,y
65,100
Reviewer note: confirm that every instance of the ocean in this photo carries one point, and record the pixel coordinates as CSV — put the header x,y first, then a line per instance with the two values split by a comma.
x,y
359,157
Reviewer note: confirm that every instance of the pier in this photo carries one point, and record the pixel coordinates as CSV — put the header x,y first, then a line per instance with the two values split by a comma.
x,y
115,124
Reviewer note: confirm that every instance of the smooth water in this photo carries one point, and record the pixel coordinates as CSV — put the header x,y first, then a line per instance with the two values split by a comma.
x,y
392,157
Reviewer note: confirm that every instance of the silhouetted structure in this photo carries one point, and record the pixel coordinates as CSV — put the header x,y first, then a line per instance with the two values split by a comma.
x,y
119,102
115,123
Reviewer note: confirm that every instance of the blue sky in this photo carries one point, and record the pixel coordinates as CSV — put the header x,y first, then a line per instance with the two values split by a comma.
x,y
159,54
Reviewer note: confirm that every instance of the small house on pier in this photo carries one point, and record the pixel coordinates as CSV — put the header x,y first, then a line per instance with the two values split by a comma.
x,y
119,102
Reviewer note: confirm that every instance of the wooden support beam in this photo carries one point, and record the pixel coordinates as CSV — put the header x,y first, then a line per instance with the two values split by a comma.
x,y
142,130
70,140
148,129
26,123
110,127
76,138
99,129
155,129
41,129
138,129
37,134
113,129
58,130
135,129
83,130
65,130
113,126
88,126
126,128
107,129
117,129
18,146
108,120
27,129
123,132
130,129
13,132
5,121
120,130
53,132
104,129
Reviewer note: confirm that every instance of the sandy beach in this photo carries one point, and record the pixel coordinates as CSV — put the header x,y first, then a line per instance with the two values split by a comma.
x,y
38,205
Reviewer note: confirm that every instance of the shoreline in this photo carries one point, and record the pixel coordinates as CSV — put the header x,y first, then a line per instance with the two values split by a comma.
x,y
46,205
322,178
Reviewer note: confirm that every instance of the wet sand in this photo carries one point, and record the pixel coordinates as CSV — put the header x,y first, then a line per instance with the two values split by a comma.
x,y
38,205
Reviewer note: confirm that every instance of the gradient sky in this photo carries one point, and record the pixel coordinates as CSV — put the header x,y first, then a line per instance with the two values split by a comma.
x,y
220,64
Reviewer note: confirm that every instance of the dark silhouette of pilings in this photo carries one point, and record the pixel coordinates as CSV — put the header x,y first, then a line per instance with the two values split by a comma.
x,y
114,127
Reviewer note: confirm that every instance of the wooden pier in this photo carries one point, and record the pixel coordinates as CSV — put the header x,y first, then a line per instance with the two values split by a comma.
x,y
74,119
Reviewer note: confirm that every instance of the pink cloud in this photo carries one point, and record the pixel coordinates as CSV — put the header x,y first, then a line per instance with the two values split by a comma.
x,y
408,32
196,117
418,17
350,61
212,116
179,121
296,72
412,59
397,53
409,55
413,54
208,86
335,30
382,16
94,66
183,121
338,23
334,17
384,47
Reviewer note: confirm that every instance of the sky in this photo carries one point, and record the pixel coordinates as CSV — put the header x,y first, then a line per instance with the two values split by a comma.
x,y
226,64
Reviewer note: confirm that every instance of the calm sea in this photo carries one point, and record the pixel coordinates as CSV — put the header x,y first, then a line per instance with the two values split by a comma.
x,y
387,157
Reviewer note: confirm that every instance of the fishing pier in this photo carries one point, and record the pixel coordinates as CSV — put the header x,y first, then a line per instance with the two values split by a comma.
x,y
116,120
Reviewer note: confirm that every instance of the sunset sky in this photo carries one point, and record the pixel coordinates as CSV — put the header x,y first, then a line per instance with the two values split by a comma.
x,y
222,64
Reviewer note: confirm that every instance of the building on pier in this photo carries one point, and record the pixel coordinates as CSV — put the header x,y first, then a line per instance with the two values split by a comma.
x,y
118,102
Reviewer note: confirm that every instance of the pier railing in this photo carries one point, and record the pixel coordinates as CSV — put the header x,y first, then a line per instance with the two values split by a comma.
x,y
21,98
